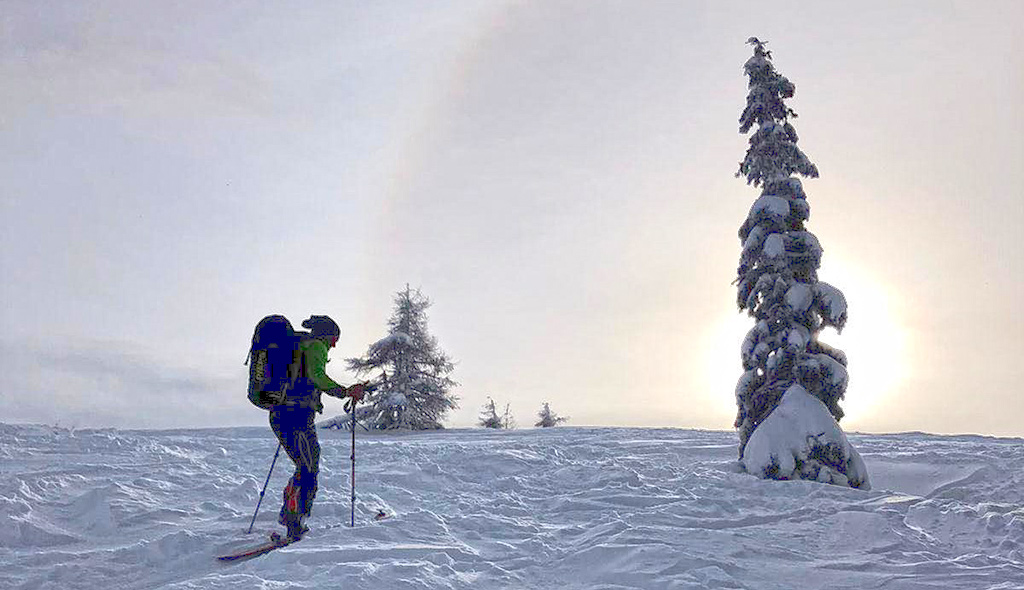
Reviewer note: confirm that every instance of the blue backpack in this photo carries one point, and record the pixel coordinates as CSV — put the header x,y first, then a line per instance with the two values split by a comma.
x,y
275,360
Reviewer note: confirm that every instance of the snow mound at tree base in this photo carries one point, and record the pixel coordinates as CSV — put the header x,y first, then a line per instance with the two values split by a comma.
x,y
801,440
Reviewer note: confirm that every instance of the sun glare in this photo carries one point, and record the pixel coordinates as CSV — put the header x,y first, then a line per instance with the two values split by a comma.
x,y
722,367
874,340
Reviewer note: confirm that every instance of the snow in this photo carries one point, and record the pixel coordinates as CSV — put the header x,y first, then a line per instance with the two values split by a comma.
x,y
799,336
776,206
835,371
774,246
568,507
754,239
832,303
790,435
394,339
799,297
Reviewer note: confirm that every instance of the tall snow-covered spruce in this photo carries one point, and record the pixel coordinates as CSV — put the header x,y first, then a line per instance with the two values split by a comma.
x,y
788,396
413,387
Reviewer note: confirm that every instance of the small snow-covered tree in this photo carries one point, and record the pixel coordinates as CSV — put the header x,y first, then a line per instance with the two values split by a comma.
x,y
413,388
778,286
548,418
489,418
507,421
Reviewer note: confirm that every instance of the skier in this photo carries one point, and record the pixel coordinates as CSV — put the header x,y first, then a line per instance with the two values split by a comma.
x,y
292,421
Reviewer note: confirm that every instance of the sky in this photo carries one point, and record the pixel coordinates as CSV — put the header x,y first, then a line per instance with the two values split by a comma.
x,y
557,177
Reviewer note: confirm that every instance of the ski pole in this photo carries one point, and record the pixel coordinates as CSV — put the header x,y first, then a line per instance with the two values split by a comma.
x,y
264,490
353,522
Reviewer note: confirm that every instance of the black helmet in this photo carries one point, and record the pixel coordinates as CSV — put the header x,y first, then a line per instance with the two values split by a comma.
x,y
322,326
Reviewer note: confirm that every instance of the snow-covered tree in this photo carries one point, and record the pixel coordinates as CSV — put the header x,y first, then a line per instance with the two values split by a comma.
x,y
782,434
490,418
548,418
413,387
508,422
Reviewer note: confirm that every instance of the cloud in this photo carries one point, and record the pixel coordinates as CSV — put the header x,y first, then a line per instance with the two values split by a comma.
x,y
105,384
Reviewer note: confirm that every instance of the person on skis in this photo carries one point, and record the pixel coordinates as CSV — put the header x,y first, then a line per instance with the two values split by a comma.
x,y
292,421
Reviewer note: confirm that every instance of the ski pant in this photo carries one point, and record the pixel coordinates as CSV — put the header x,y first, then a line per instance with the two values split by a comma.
x,y
295,429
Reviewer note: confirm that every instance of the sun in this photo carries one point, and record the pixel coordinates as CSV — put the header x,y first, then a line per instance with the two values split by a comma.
x,y
721,363
874,339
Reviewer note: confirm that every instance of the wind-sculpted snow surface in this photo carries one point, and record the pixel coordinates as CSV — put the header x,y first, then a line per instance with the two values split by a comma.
x,y
562,508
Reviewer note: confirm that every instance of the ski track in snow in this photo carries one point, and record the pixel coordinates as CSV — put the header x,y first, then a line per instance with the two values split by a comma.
x,y
595,508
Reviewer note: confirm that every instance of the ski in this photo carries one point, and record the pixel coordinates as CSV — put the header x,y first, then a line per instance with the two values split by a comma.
x,y
276,542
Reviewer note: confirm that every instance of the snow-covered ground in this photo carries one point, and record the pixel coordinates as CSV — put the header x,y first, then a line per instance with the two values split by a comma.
x,y
553,508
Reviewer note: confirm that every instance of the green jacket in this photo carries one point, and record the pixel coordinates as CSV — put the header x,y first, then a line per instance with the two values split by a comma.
x,y
308,388
315,351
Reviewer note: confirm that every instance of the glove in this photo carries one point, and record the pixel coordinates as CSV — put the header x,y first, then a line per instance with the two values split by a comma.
x,y
356,392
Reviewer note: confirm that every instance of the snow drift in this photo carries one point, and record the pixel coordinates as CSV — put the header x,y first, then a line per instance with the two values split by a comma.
x,y
568,508
801,440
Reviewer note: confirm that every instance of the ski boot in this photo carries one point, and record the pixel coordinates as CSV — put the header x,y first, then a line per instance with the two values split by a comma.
x,y
295,528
